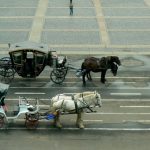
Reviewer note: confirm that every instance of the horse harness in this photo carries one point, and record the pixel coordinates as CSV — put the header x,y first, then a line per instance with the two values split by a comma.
x,y
77,109
102,63
85,105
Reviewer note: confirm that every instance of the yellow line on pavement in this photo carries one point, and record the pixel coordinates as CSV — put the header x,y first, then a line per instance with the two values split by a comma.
x,y
38,21
101,22
147,2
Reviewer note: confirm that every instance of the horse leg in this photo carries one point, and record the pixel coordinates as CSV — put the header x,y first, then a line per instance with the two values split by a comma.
x,y
103,76
57,120
79,121
89,76
83,78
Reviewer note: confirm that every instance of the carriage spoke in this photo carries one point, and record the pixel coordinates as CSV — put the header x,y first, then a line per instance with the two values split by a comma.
x,y
57,76
32,121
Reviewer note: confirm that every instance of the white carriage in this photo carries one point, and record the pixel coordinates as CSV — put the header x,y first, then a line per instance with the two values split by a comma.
x,y
23,108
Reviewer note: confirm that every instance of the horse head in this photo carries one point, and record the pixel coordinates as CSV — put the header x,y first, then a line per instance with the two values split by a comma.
x,y
114,69
89,98
114,62
98,101
115,59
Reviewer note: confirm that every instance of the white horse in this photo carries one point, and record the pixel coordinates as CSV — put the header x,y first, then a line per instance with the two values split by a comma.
x,y
74,104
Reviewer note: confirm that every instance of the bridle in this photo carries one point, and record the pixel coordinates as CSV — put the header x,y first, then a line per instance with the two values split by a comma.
x,y
86,105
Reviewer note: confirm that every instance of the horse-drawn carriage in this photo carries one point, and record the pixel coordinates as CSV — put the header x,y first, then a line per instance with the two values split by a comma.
x,y
66,103
23,108
29,59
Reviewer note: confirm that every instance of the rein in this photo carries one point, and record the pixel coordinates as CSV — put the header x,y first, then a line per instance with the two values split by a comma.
x,y
85,104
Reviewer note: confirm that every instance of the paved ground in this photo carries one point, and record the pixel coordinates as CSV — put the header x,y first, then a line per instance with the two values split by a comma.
x,y
97,26
112,27
75,140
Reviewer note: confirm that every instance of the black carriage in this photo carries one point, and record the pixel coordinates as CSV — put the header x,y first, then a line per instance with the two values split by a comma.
x,y
29,59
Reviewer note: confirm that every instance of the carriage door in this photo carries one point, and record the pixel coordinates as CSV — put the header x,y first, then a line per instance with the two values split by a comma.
x,y
17,62
40,60
30,64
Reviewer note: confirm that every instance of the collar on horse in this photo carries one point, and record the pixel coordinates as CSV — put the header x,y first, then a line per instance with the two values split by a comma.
x,y
85,104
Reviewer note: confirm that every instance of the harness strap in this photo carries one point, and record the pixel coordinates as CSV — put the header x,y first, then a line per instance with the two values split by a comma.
x,y
76,107
86,105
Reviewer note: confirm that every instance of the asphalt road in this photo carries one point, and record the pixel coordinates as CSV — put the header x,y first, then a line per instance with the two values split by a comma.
x,y
66,140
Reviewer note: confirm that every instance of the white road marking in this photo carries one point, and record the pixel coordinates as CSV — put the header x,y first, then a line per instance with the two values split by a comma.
x,y
28,93
93,120
103,100
127,88
134,106
95,52
45,120
128,94
140,121
85,129
126,100
118,113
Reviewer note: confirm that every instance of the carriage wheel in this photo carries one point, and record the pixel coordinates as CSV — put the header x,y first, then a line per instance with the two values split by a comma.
x,y
57,76
7,75
32,121
2,121
6,70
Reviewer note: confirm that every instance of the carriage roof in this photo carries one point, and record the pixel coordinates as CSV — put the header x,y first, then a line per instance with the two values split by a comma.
x,y
3,89
28,58
29,47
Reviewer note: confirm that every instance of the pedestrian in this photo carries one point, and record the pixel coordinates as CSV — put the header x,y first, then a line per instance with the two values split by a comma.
x,y
71,9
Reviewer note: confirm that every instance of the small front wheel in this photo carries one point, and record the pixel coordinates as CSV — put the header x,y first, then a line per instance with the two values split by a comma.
x,y
32,121
57,76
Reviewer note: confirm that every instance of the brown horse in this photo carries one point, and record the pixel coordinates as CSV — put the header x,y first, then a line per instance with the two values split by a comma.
x,y
99,65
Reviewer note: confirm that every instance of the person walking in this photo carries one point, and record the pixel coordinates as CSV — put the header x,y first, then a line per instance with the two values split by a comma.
x,y
71,9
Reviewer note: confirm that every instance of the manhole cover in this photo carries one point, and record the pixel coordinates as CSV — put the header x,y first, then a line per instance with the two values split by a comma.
x,y
131,62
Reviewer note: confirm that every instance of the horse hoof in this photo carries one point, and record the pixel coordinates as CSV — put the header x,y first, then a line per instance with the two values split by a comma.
x,y
84,84
80,126
103,82
59,126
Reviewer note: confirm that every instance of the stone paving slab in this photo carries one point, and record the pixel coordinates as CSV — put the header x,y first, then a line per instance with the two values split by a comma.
x,y
97,26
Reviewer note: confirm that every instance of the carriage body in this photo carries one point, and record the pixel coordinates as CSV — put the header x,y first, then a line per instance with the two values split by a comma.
x,y
29,59
23,107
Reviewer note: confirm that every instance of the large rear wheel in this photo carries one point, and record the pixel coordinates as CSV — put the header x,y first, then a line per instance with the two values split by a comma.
x,y
6,70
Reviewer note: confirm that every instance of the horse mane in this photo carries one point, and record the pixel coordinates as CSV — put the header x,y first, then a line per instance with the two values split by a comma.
x,y
83,94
